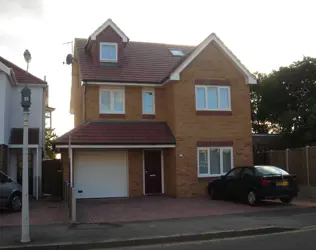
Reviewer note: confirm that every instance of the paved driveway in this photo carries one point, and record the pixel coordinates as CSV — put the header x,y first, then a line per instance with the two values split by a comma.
x,y
41,213
161,207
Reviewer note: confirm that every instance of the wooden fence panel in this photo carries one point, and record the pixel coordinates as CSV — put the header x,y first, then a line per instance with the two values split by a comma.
x,y
312,166
297,164
278,158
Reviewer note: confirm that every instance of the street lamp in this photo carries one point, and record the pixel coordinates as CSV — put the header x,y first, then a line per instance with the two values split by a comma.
x,y
25,104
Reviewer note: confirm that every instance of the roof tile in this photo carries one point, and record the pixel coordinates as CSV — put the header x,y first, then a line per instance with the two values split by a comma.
x,y
141,62
119,133
22,75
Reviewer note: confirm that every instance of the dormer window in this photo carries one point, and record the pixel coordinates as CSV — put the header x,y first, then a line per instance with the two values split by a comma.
x,y
108,52
176,52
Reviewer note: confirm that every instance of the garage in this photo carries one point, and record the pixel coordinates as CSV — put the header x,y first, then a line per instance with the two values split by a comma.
x,y
100,174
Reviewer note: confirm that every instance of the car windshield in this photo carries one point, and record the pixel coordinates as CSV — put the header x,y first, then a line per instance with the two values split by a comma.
x,y
270,170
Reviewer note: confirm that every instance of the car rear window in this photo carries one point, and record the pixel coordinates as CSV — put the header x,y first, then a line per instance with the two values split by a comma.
x,y
270,171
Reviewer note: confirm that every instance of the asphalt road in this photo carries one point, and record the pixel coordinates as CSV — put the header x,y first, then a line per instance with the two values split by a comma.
x,y
304,240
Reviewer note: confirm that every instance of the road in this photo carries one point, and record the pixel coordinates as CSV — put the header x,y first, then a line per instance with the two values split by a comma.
x,y
304,239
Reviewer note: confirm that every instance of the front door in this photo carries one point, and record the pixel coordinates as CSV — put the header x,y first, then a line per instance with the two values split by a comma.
x,y
152,161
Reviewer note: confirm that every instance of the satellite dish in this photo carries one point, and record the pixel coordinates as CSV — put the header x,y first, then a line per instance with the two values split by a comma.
x,y
69,59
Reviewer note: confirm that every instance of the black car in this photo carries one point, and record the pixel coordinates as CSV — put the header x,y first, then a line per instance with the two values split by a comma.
x,y
252,184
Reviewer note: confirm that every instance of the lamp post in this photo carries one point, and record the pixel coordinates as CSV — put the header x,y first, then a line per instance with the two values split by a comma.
x,y
25,104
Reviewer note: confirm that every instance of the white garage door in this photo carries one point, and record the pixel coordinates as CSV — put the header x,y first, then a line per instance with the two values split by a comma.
x,y
101,174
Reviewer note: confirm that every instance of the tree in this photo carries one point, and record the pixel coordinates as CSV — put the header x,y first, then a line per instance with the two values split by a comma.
x,y
284,102
50,137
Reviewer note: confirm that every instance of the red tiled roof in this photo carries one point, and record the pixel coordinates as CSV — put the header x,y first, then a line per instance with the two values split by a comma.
x,y
119,133
142,62
21,75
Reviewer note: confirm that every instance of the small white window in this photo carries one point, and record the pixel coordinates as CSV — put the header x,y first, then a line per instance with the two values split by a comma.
x,y
176,52
108,52
148,101
212,98
214,161
112,101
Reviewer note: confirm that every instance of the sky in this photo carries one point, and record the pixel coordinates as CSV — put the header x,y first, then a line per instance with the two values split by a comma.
x,y
263,34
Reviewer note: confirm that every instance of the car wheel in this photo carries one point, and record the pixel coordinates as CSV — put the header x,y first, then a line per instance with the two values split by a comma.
x,y
16,202
252,198
286,200
212,193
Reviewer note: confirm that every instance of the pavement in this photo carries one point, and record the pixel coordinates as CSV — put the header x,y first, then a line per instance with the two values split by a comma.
x,y
104,235
280,241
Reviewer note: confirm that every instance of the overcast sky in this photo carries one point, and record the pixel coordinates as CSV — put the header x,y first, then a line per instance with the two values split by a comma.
x,y
263,34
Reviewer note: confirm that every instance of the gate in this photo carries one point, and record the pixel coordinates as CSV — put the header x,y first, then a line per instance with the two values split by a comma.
x,y
52,178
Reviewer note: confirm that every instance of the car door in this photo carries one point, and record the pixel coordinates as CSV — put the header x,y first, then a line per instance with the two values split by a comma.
x,y
232,182
5,189
247,181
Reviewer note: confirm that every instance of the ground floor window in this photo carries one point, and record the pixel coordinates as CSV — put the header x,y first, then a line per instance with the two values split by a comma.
x,y
214,161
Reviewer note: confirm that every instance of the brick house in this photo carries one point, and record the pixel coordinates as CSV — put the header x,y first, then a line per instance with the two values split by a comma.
x,y
154,118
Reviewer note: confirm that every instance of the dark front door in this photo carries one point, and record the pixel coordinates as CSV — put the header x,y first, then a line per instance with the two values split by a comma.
x,y
152,160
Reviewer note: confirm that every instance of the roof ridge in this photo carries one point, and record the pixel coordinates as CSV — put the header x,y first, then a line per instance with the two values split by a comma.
x,y
19,68
168,44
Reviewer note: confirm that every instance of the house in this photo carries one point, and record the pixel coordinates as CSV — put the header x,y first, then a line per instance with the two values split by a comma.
x,y
12,80
154,118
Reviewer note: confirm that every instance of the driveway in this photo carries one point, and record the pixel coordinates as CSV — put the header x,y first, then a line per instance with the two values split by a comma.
x,y
41,213
161,207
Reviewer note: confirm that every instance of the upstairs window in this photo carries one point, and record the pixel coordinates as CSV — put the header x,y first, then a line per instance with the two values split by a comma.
x,y
108,52
212,98
148,102
176,52
112,101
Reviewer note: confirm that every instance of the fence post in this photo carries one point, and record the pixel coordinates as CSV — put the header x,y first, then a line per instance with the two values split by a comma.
x,y
73,206
287,160
307,163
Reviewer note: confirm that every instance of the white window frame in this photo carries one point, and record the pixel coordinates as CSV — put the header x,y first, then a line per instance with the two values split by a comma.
x,y
209,162
111,111
108,60
218,97
152,91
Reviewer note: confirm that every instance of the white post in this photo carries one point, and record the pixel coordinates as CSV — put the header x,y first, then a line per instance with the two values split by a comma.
x,y
307,164
25,236
71,168
287,159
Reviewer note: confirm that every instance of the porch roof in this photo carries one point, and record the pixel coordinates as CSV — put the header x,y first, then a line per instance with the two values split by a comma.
x,y
119,133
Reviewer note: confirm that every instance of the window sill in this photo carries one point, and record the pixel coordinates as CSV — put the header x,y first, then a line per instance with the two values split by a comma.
x,y
112,116
214,112
148,116
108,61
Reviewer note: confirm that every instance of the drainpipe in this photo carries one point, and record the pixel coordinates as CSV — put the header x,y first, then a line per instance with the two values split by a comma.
x,y
84,84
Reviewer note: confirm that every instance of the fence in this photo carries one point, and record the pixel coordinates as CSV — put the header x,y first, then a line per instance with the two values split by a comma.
x,y
298,161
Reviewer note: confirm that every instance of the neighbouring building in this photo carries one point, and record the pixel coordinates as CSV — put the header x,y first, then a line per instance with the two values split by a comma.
x,y
154,118
12,80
